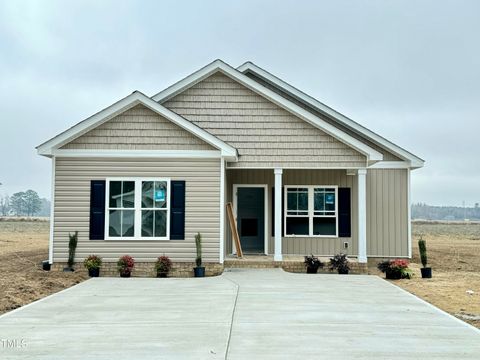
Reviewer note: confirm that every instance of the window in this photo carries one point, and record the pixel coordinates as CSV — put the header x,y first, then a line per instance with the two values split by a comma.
x,y
154,208
138,209
311,211
297,211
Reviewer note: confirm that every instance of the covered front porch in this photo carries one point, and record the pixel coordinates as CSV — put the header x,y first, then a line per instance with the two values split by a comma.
x,y
288,213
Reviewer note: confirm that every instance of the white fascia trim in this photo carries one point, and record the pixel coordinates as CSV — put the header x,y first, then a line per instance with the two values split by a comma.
x,y
391,165
218,65
126,103
416,161
188,154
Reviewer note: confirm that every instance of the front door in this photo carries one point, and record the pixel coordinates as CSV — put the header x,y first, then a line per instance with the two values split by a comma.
x,y
251,218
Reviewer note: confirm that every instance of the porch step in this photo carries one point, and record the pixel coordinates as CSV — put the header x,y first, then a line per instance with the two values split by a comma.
x,y
290,264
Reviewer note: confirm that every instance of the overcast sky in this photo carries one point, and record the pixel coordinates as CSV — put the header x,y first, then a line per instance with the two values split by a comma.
x,y
409,71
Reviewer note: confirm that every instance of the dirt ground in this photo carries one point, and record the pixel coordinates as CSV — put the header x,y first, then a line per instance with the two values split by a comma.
x,y
23,246
453,252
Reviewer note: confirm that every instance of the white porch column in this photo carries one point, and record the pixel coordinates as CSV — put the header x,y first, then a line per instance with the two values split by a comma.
x,y
362,215
278,215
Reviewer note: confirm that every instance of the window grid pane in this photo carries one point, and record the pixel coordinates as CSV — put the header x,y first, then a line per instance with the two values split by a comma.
x,y
324,202
297,201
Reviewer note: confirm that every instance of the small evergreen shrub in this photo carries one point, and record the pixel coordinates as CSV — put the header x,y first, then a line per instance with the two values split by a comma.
x,y
72,247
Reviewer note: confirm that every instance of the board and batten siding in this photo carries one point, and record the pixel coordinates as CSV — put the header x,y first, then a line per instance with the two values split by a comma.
x,y
298,245
387,210
264,134
72,207
138,128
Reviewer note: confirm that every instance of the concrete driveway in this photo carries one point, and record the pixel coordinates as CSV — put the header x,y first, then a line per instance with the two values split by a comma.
x,y
243,314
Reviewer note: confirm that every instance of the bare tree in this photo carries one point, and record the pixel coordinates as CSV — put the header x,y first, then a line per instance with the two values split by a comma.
x,y
5,205
17,203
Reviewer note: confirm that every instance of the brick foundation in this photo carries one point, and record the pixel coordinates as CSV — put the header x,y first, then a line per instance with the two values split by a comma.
x,y
294,266
147,269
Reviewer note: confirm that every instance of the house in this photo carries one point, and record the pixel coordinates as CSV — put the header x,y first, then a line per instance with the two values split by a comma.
x,y
144,175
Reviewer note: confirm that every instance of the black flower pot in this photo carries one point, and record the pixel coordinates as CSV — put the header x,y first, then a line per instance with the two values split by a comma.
x,y
162,275
393,275
94,272
312,269
46,266
199,271
343,271
426,273
125,274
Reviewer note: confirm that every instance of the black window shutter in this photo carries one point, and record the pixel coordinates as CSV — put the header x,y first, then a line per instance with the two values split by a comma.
x,y
344,213
177,210
273,211
97,210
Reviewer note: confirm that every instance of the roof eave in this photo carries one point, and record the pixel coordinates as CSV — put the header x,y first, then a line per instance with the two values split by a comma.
x,y
48,147
218,65
379,140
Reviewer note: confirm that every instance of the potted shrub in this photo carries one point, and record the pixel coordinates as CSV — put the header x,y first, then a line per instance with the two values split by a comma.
x,y
312,263
125,265
92,263
395,269
199,270
163,266
426,271
72,246
340,263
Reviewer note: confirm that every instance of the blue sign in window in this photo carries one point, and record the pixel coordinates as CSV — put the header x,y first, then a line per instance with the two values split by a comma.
x,y
160,195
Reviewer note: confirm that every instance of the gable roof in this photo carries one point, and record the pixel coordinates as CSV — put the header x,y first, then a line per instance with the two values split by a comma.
x,y
415,161
218,65
51,146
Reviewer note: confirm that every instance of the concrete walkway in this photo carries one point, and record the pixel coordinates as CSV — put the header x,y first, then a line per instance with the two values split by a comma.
x,y
243,314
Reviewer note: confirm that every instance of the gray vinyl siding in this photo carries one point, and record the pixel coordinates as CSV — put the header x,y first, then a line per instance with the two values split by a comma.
x,y
264,134
138,128
387,156
72,207
387,210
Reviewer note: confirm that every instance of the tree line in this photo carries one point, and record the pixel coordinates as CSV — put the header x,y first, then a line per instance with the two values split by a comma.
x,y
24,203
429,212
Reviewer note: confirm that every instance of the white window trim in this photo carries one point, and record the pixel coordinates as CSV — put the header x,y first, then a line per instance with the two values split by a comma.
x,y
311,215
137,208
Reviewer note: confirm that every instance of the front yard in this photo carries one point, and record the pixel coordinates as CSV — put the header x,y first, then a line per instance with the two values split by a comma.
x,y
453,253
453,249
23,246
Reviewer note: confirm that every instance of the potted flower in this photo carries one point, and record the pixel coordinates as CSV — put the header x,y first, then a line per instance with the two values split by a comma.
x,y
312,263
340,263
92,263
395,269
125,265
426,271
163,266
199,270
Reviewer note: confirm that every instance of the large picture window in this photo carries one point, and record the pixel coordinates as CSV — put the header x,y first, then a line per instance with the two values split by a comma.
x,y
137,209
311,211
